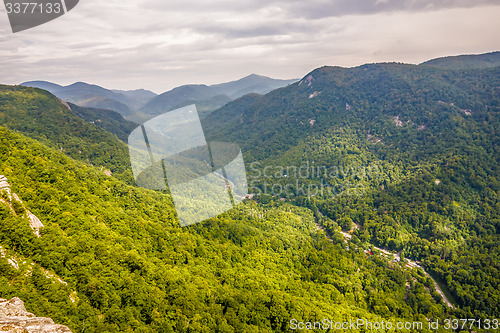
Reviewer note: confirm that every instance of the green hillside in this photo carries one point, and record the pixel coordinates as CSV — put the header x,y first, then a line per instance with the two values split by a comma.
x,y
108,120
128,267
373,98
344,164
487,60
403,157
41,116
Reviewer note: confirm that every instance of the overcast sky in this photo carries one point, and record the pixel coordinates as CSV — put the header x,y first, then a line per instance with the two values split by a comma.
x,y
158,44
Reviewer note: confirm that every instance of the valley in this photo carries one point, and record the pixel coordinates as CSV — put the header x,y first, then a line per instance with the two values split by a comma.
x,y
410,199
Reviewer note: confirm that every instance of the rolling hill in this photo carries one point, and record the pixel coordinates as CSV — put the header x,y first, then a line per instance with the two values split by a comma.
x,y
344,162
111,257
106,119
210,98
401,156
94,96
42,116
487,60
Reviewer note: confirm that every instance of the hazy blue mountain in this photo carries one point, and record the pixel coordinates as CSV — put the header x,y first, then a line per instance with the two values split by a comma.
x,y
90,95
106,119
430,135
205,107
178,96
112,257
209,98
487,60
140,105
251,84
45,85
139,96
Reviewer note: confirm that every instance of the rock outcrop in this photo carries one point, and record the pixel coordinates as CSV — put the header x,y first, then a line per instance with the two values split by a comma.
x,y
4,185
35,222
15,319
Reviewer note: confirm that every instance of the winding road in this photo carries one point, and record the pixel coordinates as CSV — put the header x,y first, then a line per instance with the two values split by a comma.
x,y
397,256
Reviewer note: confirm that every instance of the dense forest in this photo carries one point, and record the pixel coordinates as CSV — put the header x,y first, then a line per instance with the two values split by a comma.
x,y
39,115
399,157
403,157
126,265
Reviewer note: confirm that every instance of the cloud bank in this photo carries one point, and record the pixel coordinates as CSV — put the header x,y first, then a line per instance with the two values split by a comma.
x,y
158,44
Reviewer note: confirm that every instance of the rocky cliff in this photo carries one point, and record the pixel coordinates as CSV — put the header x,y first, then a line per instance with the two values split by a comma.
x,y
9,198
15,319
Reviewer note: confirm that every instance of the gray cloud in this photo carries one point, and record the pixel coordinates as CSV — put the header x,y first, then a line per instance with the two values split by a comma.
x,y
314,9
158,44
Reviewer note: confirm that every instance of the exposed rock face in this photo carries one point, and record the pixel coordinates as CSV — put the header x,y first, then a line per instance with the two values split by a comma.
x,y
4,185
35,222
15,319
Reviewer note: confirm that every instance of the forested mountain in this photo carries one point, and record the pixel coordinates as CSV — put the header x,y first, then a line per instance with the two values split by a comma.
x,y
139,96
94,96
112,258
382,156
404,157
40,115
388,98
210,98
487,60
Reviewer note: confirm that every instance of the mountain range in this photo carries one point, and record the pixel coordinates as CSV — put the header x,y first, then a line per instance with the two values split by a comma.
x,y
140,105
487,60
352,170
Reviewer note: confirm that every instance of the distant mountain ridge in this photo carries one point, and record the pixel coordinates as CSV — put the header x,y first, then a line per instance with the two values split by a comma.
x,y
251,84
389,156
94,96
140,105
44,117
209,98
468,61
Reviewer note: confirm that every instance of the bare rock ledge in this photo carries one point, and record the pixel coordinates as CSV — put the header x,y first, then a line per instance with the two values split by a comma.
x,y
15,319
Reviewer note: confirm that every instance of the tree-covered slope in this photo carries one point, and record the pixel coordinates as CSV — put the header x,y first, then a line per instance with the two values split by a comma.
x,y
487,60
42,116
127,266
404,105
183,95
397,156
108,120
83,94
403,157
